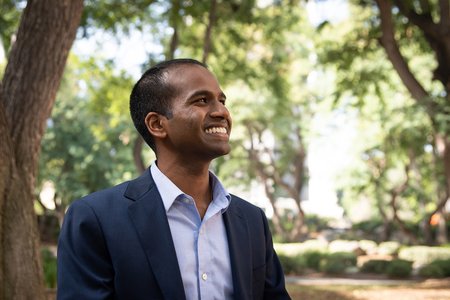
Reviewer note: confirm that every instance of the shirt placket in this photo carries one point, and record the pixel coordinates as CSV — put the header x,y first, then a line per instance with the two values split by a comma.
x,y
204,263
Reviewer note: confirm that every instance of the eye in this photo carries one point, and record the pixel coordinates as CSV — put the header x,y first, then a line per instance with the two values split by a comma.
x,y
202,100
222,101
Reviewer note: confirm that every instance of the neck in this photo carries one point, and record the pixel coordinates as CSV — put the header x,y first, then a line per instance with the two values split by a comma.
x,y
192,179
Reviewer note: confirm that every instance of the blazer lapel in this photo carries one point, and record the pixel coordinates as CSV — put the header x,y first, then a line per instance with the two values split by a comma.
x,y
150,220
240,252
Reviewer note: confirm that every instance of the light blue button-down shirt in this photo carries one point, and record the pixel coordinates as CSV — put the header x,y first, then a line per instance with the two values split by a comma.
x,y
201,245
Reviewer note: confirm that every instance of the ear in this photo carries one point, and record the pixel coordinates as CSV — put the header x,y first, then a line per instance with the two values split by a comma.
x,y
154,123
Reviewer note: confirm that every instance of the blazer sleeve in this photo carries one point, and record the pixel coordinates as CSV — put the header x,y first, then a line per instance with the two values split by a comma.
x,y
84,266
274,287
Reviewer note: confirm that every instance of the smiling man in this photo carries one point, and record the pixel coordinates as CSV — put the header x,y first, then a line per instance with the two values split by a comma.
x,y
174,232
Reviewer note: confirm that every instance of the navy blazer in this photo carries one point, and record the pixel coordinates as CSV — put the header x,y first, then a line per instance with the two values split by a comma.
x,y
116,244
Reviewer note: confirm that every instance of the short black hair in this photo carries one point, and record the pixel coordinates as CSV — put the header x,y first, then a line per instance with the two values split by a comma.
x,y
153,93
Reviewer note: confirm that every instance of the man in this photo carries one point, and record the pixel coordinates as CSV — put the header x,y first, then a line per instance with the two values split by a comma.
x,y
174,232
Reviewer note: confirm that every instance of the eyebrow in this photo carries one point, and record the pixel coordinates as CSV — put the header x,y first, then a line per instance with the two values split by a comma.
x,y
205,92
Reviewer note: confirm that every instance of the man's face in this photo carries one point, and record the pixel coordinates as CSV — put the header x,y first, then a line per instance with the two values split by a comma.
x,y
200,125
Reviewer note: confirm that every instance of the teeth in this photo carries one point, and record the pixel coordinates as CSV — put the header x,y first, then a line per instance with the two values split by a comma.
x,y
216,130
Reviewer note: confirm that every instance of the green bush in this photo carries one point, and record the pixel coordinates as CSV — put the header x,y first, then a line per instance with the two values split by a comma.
x,y
292,249
342,246
316,223
292,264
338,262
313,258
444,264
369,247
377,266
315,245
49,264
431,271
399,268
388,248
424,255
368,226
436,269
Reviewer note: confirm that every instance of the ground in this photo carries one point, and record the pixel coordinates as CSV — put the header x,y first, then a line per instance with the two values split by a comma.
x,y
332,288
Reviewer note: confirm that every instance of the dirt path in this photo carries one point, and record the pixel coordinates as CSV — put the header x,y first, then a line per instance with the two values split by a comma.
x,y
368,289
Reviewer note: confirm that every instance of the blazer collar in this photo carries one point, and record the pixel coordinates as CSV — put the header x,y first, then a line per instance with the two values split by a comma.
x,y
149,217
240,250
150,221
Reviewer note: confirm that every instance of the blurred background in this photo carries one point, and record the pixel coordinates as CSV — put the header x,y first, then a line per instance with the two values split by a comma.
x,y
341,120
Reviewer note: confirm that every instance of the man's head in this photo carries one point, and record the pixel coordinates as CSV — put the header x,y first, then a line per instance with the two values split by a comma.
x,y
178,107
154,93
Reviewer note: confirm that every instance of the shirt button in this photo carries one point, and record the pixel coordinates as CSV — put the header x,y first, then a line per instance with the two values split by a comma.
x,y
204,276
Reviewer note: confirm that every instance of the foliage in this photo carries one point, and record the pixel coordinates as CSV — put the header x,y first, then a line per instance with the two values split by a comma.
x,y
293,249
343,246
422,255
316,223
338,262
313,259
398,169
389,248
367,226
86,145
399,268
437,269
293,265
49,266
368,246
377,266
10,11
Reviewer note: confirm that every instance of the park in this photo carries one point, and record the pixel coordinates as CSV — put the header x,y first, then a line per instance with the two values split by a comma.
x,y
341,129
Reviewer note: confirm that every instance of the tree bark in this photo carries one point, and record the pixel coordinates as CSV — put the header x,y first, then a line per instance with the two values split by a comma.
x,y
390,45
208,31
174,23
271,176
32,76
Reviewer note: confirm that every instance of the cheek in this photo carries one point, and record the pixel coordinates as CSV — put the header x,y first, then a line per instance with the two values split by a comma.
x,y
193,119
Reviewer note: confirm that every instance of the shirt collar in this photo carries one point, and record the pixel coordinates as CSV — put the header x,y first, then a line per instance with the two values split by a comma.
x,y
170,192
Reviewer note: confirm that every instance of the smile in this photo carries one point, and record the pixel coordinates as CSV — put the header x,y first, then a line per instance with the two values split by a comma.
x,y
214,130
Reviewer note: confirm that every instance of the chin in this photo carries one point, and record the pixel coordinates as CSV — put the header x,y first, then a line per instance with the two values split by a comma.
x,y
221,152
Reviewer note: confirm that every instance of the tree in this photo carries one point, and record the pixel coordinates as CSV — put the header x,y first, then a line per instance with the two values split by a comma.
x,y
414,39
27,93
432,20
273,109
86,145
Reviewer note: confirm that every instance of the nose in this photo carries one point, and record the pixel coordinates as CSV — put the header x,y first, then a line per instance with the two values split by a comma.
x,y
219,110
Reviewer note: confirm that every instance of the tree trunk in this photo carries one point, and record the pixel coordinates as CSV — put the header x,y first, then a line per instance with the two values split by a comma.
x,y
174,23
441,234
32,76
208,31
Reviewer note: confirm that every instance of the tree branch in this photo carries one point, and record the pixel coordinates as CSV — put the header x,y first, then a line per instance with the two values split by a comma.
x,y
424,21
208,32
392,50
444,10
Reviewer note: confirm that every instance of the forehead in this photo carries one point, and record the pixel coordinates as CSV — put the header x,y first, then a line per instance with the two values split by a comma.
x,y
187,79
